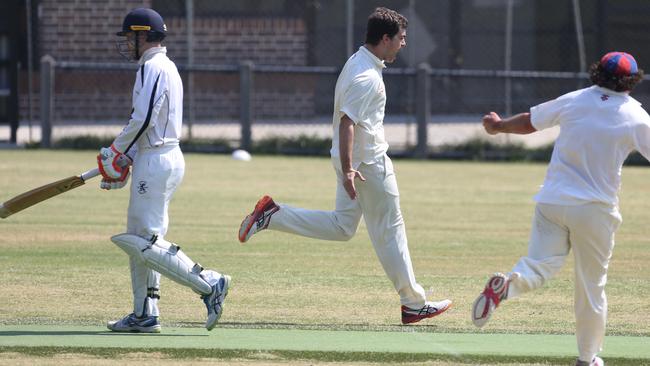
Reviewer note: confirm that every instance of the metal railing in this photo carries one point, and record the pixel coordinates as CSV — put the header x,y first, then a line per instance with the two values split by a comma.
x,y
425,92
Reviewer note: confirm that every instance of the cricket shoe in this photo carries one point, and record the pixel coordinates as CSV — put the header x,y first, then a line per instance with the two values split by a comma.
x,y
597,361
131,323
429,310
214,301
496,290
259,219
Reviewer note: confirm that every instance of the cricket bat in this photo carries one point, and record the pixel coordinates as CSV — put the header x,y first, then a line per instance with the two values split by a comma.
x,y
40,194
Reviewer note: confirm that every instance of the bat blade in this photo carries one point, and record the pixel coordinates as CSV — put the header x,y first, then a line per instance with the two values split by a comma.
x,y
42,193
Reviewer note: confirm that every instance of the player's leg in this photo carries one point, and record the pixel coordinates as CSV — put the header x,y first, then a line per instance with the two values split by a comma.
x,y
148,215
145,282
340,224
547,250
592,237
146,289
379,200
168,259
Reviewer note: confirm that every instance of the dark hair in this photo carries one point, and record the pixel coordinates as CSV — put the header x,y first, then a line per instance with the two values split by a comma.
x,y
384,21
606,79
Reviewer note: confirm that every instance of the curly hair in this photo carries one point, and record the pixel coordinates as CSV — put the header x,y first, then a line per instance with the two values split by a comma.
x,y
601,77
384,21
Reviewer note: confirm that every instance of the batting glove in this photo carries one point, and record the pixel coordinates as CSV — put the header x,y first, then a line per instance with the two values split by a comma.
x,y
109,184
112,164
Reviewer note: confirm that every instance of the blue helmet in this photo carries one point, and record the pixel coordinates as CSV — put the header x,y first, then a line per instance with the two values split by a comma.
x,y
144,20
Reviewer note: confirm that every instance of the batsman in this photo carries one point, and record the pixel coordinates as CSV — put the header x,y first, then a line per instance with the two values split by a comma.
x,y
149,145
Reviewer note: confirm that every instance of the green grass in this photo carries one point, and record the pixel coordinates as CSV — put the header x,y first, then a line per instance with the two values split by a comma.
x,y
464,221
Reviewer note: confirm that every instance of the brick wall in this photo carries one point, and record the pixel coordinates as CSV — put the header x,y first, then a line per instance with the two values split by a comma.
x,y
83,30
272,41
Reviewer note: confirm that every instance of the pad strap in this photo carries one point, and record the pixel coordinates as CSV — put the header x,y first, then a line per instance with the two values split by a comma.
x,y
153,292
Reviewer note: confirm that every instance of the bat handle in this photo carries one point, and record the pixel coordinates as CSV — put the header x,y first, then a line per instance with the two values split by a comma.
x,y
92,173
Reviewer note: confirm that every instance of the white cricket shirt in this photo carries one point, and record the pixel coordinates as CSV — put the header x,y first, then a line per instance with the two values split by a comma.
x,y
599,128
157,115
360,94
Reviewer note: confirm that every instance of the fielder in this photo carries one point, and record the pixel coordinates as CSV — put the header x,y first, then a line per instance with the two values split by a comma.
x,y
577,207
151,142
359,152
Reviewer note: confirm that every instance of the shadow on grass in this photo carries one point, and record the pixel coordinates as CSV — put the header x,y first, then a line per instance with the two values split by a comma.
x,y
423,328
16,333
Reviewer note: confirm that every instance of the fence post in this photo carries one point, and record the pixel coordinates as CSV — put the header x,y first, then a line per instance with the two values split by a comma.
x,y
246,102
189,20
47,99
423,107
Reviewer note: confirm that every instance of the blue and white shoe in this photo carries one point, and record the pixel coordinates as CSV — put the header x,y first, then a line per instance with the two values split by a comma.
x,y
214,301
131,323
597,361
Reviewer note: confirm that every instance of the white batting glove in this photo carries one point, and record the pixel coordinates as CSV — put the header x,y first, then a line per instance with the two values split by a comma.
x,y
112,164
109,184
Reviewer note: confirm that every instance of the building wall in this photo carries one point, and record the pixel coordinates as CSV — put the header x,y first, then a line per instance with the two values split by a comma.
x,y
84,30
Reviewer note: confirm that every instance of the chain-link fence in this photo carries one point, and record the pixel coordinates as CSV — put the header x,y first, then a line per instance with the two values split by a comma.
x,y
501,55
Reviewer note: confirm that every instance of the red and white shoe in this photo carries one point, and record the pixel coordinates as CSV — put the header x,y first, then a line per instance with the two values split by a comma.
x,y
597,361
496,290
259,219
429,310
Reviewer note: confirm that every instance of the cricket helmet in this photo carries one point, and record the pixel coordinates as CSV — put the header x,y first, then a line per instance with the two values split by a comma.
x,y
144,20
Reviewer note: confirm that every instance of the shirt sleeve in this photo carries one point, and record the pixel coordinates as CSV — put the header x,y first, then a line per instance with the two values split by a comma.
x,y
357,98
546,115
145,109
641,137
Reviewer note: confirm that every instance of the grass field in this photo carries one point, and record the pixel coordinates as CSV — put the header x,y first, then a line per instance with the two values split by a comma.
x,y
464,221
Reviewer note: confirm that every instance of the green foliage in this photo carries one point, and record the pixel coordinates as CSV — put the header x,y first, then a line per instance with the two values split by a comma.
x,y
300,145
83,142
475,149
207,145
478,149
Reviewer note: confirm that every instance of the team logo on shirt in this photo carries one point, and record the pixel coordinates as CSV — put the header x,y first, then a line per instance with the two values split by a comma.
x,y
604,97
142,187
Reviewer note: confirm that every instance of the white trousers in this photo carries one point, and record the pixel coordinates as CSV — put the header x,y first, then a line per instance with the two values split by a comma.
x,y
589,230
156,174
378,202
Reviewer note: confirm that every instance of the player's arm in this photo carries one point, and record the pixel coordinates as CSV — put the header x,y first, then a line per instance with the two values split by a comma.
x,y
113,161
145,110
518,124
346,142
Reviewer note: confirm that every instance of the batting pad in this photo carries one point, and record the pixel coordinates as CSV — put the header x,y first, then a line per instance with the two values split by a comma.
x,y
166,258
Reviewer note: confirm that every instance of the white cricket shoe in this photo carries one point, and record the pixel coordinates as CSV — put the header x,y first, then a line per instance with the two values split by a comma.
x,y
214,301
259,219
429,310
597,361
131,323
496,290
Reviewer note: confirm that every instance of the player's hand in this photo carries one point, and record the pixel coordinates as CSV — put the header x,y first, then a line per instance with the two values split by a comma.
x,y
109,184
348,182
112,164
491,123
